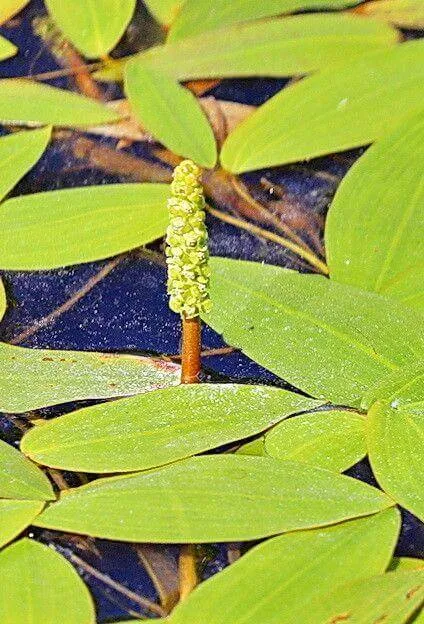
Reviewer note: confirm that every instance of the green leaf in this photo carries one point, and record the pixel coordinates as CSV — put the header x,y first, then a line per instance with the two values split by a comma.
x,y
15,516
405,563
171,113
9,8
374,231
18,154
405,386
395,439
404,13
91,223
164,11
255,447
7,48
93,27
276,47
390,598
40,587
276,581
334,440
3,300
331,340
26,102
199,16
338,110
210,499
20,478
34,378
159,427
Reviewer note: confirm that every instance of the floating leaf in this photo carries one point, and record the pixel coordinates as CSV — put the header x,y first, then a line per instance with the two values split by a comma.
x,y
390,598
404,13
171,113
338,110
395,438
158,428
276,581
331,340
210,499
199,16
277,47
18,154
7,49
20,478
58,228
9,8
405,563
15,516
255,447
26,102
3,300
164,11
334,440
374,230
93,27
404,386
40,587
34,378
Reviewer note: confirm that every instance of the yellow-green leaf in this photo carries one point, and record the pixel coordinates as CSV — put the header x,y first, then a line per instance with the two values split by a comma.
x,y
160,427
58,228
40,587
7,49
15,516
255,447
211,499
375,231
331,340
395,439
405,386
199,16
26,102
18,154
171,113
275,47
3,300
405,563
34,378
404,13
276,581
9,8
93,26
20,478
338,107
164,11
332,439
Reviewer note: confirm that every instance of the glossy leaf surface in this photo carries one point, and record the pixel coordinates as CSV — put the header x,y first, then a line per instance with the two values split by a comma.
x,y
171,113
40,587
20,478
334,440
331,340
93,26
403,387
210,499
15,516
26,102
338,110
34,378
7,48
9,8
158,428
276,47
375,228
276,581
58,228
164,11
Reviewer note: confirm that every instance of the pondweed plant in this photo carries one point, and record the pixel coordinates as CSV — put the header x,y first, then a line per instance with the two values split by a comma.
x,y
351,343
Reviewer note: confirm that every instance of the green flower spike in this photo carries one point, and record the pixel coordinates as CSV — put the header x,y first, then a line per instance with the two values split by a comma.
x,y
187,244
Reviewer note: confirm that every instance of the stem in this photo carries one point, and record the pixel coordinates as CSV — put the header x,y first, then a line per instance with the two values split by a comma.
x,y
187,570
190,353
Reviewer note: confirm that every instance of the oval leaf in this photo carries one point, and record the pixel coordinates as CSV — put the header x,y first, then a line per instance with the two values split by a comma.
x,y
390,598
404,387
93,27
9,8
331,340
210,499
159,427
395,438
7,49
20,478
276,47
40,587
171,113
3,300
164,10
334,440
199,16
91,223
255,447
338,110
276,581
18,154
404,13
34,378
15,516
26,102
374,231
405,563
